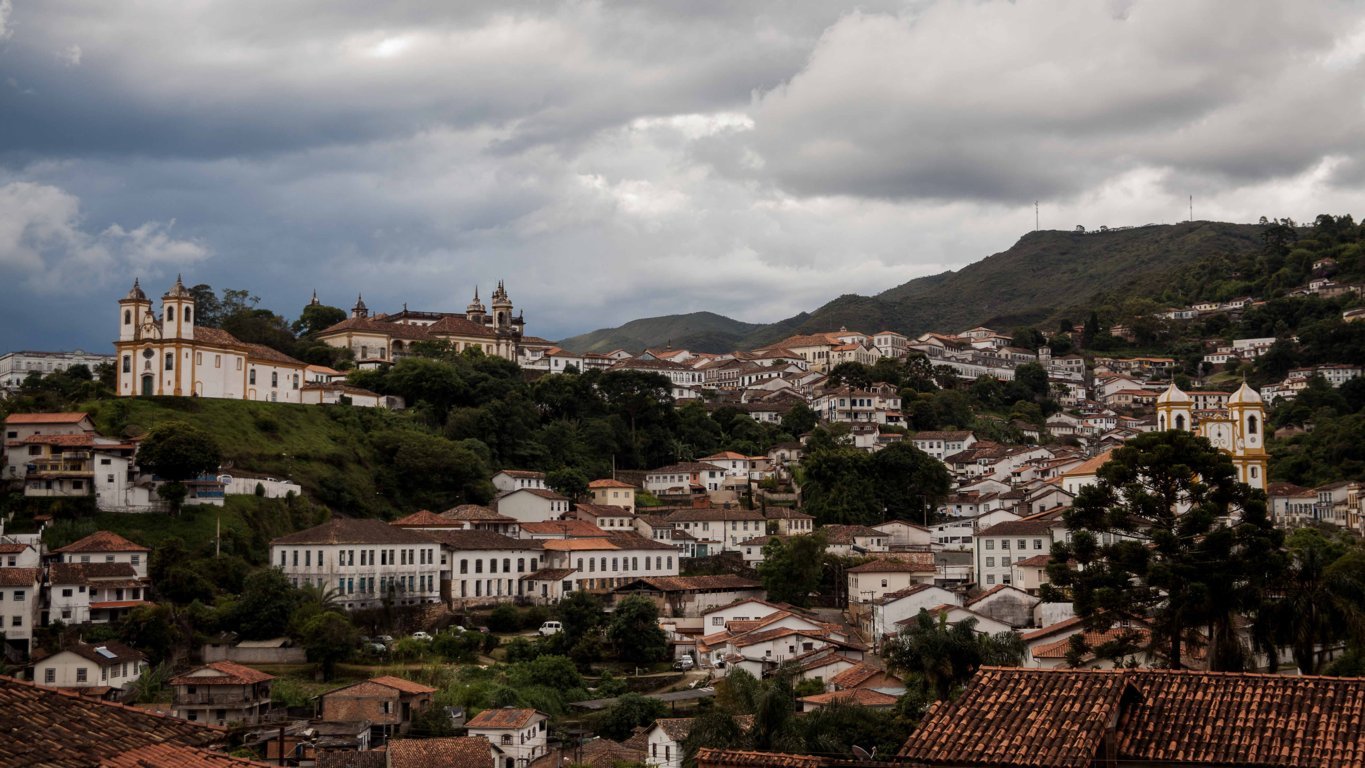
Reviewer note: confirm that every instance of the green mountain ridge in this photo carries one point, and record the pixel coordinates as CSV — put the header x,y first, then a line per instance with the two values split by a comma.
x,y
1044,276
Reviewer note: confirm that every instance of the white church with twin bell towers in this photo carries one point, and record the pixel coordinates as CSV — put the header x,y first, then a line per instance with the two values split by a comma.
x,y
1237,429
168,354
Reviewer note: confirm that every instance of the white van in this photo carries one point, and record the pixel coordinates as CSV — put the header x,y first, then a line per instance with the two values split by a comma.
x,y
551,628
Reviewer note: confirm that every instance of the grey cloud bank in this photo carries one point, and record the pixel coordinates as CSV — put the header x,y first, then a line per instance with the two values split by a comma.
x,y
613,161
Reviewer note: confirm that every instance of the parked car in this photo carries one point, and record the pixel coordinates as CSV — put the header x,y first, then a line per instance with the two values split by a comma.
x,y
684,663
377,648
419,635
385,639
551,628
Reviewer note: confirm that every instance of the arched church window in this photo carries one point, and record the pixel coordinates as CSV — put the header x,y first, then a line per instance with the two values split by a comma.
x,y
1180,421
1251,425
1253,473
127,317
189,314
170,360
170,314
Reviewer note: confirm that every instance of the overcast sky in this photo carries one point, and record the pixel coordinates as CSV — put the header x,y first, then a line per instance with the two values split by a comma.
x,y
614,161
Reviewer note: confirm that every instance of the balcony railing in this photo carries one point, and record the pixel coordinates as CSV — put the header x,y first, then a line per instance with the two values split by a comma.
x,y
225,700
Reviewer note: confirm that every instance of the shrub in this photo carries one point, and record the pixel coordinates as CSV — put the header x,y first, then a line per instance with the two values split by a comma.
x,y
505,618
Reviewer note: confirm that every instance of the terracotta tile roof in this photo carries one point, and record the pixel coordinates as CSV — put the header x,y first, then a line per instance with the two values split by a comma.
x,y
481,540
228,673
8,548
1061,718
102,541
736,758
1091,466
578,545
713,515
524,474
899,594
854,676
1037,561
1052,629
550,574
20,577
636,541
603,510
405,686
85,573
45,418
221,338
502,719
610,484
349,758
465,752
47,727
350,530
892,566
1057,649
114,653
168,755
598,753
474,512
860,697
787,513
571,528
686,468
424,519
541,492
1019,528
691,583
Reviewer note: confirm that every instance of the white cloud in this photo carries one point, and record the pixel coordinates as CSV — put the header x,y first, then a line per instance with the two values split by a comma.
x,y
70,55
43,240
6,8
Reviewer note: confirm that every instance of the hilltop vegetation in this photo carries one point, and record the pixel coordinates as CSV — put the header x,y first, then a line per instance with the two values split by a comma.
x,y
704,331
1042,277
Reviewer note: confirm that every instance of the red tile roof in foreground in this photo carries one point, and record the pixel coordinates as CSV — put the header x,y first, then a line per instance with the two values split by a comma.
x,y
725,758
48,727
1064,718
464,751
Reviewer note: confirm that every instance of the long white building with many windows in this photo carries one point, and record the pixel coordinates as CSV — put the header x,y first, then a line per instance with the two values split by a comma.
x,y
365,561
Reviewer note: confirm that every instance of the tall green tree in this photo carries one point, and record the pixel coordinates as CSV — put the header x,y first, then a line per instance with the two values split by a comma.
x,y
178,451
791,568
910,482
1320,601
634,631
1170,536
329,638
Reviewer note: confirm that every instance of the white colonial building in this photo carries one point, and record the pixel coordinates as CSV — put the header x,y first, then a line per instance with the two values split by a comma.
x,y
365,561
168,354
17,366
518,736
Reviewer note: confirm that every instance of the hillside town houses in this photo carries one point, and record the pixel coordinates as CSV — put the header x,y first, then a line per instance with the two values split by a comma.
x,y
690,536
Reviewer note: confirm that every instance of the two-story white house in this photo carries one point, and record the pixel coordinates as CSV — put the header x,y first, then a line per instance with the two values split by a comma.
x,y
364,560
102,669
876,579
106,547
532,505
610,561
721,530
1000,545
943,444
508,480
20,605
483,567
98,593
608,492
681,478
518,735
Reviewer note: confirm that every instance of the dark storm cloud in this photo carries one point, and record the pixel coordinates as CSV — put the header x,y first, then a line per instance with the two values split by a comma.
x,y
615,160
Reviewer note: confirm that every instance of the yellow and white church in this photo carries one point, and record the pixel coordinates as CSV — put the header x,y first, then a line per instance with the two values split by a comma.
x,y
1238,429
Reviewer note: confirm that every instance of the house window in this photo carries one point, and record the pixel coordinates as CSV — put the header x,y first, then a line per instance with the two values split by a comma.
x,y
127,363
507,739
251,376
990,562
274,378
18,596
50,675
80,674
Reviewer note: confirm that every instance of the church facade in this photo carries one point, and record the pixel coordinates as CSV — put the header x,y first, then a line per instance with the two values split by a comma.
x,y
1238,429
375,340
168,354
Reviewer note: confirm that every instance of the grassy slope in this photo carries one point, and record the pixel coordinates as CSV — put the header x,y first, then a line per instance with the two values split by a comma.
x,y
1044,276
322,448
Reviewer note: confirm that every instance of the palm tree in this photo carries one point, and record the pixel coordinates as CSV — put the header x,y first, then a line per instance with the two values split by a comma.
x,y
1321,601
940,654
323,598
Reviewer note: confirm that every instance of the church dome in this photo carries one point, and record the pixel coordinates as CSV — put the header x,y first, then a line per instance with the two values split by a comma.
x,y
1173,394
1245,396
136,293
178,291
